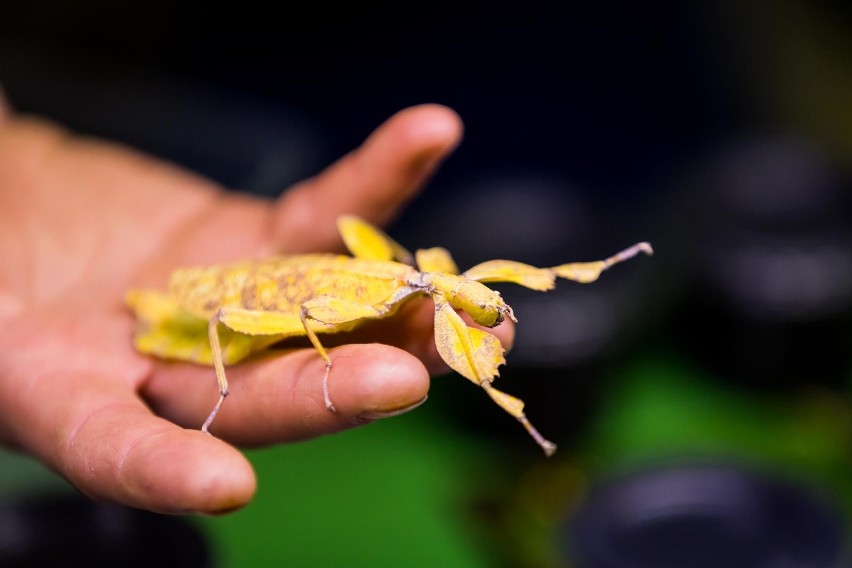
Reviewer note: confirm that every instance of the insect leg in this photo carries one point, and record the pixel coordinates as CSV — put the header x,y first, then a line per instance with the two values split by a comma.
x,y
585,272
280,325
218,364
269,326
366,241
515,407
542,279
334,313
476,354
435,259
322,353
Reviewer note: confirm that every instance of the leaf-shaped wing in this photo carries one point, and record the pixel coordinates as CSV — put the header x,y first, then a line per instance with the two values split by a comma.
x,y
152,306
473,353
164,329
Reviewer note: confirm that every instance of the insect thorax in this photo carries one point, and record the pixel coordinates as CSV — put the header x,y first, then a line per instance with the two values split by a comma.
x,y
483,304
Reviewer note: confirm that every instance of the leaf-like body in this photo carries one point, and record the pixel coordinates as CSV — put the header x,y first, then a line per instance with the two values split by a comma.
x,y
223,313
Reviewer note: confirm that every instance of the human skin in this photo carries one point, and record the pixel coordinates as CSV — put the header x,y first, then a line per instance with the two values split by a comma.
x,y
83,220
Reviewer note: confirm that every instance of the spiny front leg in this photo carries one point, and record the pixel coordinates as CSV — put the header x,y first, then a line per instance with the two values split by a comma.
x,y
476,355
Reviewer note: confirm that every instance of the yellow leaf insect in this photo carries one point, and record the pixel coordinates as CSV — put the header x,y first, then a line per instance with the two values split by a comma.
x,y
221,314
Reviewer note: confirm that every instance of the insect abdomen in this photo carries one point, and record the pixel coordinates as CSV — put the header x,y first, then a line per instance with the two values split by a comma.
x,y
283,284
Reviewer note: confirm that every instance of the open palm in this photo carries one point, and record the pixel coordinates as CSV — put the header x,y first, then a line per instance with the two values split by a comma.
x,y
81,221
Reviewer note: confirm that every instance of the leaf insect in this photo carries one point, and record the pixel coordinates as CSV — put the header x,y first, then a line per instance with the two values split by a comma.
x,y
221,314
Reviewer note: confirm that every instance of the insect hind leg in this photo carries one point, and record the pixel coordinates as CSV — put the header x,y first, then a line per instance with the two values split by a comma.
x,y
304,315
335,313
264,329
219,366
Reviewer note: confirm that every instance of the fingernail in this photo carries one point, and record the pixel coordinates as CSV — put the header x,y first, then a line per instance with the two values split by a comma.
x,y
379,414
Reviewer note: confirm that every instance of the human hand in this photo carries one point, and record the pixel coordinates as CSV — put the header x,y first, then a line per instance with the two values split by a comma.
x,y
82,221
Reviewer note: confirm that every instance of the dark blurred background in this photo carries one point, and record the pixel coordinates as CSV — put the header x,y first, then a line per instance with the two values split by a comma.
x,y
700,397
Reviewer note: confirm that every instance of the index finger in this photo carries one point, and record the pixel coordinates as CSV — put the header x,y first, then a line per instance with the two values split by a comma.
x,y
373,181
